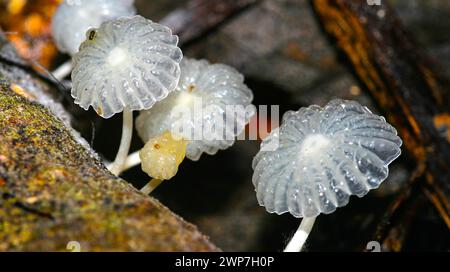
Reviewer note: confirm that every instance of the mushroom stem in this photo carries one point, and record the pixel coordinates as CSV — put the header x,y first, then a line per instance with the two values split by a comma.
x,y
149,187
132,160
63,70
300,236
127,133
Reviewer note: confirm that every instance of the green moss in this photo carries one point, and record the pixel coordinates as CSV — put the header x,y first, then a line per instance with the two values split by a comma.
x,y
53,191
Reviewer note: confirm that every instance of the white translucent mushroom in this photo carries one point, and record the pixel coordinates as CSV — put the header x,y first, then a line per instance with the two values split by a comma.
x,y
126,64
74,17
319,157
209,108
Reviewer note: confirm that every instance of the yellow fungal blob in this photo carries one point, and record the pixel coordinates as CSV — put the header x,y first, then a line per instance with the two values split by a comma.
x,y
161,155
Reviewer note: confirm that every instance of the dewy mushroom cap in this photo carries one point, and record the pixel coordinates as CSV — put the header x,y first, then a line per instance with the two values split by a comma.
x,y
209,86
130,62
73,18
323,156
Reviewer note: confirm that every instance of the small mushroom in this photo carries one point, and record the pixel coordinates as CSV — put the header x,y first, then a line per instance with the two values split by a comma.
x,y
126,64
164,154
319,157
74,17
200,102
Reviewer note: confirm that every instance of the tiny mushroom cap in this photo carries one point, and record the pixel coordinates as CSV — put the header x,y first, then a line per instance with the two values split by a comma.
x,y
74,17
162,155
130,62
318,157
197,110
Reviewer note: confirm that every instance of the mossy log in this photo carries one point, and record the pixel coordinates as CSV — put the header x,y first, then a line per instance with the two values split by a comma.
x,y
54,189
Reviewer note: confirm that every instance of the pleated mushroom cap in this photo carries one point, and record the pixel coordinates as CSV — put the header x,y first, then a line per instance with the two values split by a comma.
x,y
129,62
199,104
319,157
74,17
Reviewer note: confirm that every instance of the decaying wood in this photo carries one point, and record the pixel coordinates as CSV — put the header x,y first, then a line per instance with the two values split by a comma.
x,y
54,190
406,88
200,16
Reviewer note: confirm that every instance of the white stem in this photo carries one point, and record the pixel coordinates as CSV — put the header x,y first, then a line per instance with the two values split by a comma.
x,y
132,160
300,236
63,70
149,187
127,133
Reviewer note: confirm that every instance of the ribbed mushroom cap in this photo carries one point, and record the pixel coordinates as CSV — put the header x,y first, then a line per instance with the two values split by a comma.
x,y
197,110
318,157
130,62
74,17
